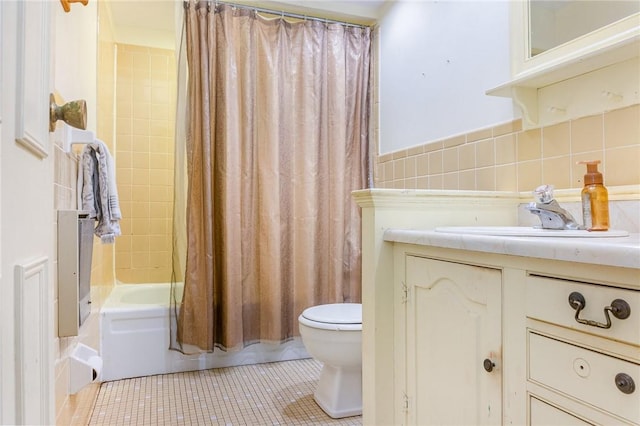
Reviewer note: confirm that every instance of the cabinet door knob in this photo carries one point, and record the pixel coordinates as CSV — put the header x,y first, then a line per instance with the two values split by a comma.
x,y
619,308
625,383
488,365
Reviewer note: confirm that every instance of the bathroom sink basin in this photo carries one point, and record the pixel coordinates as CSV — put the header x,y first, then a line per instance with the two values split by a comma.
x,y
527,231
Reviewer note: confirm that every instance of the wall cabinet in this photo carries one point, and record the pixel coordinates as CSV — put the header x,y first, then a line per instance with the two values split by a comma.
x,y
493,339
590,74
450,315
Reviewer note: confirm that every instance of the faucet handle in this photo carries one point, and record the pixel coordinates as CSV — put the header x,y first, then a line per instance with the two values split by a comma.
x,y
544,193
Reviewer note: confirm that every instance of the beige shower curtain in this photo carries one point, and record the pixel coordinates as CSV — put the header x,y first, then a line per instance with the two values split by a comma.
x,y
277,138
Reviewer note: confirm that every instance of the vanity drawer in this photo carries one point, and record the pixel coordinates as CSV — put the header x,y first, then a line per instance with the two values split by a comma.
x,y
543,414
584,374
547,299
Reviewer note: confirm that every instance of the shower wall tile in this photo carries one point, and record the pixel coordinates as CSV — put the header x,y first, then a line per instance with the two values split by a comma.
x,y
139,174
145,107
507,158
123,259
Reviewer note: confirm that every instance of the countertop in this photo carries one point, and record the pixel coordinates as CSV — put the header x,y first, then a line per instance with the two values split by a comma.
x,y
614,251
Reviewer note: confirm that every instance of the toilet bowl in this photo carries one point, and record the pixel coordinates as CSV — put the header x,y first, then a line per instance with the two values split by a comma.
x,y
332,334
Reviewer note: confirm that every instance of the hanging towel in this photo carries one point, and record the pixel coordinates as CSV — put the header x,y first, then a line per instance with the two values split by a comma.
x,y
97,190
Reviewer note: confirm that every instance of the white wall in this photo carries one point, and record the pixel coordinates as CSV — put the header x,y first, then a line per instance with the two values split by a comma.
x,y
75,63
437,59
145,23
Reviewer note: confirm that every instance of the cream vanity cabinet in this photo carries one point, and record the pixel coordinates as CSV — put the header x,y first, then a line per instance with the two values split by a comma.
x,y
484,338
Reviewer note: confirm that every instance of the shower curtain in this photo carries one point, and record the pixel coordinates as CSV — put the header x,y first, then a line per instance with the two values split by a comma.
x,y
276,140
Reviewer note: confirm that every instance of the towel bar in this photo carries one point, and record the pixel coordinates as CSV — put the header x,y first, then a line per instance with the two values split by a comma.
x,y
71,136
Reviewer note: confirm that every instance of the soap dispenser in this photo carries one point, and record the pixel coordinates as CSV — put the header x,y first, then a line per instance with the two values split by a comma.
x,y
595,199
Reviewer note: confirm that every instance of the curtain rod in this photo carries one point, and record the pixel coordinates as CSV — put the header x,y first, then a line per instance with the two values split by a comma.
x,y
287,14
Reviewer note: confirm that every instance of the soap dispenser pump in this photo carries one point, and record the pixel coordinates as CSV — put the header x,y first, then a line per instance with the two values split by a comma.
x,y
595,199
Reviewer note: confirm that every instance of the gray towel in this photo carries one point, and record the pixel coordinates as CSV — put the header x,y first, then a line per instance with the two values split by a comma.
x,y
99,195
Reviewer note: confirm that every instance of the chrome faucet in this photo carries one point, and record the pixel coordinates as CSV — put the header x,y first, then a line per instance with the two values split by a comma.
x,y
549,211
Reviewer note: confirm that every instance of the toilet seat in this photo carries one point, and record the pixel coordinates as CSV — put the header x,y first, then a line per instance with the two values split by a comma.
x,y
335,316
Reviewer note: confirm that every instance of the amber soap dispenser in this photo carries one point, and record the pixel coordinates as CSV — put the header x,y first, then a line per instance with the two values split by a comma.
x,y
595,199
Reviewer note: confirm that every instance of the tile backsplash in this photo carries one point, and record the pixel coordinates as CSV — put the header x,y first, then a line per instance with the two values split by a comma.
x,y
507,158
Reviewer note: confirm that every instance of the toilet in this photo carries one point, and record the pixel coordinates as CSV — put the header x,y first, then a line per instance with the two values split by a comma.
x,y
332,334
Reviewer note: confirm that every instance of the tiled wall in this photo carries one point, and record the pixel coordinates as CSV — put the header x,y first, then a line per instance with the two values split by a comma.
x,y
506,158
145,122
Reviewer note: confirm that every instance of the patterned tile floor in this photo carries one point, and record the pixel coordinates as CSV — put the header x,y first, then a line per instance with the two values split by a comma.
x,y
278,393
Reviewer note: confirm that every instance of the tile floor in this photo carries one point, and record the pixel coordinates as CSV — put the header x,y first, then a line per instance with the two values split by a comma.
x,y
278,393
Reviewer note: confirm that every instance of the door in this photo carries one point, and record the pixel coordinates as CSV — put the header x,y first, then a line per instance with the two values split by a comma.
x,y
453,341
26,216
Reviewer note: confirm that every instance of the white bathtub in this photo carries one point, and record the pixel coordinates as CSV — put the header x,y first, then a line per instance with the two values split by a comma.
x,y
134,338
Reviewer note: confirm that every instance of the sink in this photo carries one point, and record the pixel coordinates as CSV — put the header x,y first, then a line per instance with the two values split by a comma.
x,y
528,231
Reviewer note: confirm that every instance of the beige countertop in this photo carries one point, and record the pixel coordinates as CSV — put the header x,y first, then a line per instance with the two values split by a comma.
x,y
610,251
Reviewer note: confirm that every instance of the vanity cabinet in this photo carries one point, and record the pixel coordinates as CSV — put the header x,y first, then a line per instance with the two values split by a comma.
x,y
482,338
450,340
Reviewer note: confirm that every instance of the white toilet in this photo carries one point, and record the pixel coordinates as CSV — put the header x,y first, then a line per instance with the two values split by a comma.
x,y
332,334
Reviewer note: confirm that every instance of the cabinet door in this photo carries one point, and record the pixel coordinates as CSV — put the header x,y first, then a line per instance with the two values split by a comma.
x,y
453,324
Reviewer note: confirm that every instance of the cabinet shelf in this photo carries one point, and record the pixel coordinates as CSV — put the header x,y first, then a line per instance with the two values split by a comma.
x,y
545,87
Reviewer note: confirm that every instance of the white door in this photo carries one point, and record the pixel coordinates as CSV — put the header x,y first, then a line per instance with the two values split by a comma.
x,y
26,215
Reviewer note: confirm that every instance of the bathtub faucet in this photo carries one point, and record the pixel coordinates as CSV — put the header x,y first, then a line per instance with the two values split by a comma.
x,y
549,211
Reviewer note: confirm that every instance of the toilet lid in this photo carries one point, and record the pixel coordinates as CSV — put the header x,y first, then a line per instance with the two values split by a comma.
x,y
335,313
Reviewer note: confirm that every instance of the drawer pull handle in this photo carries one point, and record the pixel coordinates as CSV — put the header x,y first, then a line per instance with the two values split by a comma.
x,y
625,383
619,308
488,365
